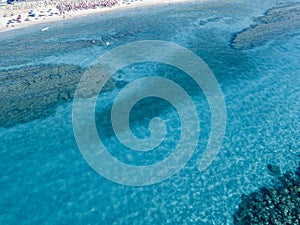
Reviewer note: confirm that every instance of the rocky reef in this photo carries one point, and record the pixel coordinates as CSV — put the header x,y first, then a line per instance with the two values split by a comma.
x,y
282,20
278,205
30,93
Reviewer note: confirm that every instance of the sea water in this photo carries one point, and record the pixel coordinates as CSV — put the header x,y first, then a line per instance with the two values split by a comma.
x,y
44,178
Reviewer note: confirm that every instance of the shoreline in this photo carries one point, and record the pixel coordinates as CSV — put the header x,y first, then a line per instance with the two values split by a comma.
x,y
121,5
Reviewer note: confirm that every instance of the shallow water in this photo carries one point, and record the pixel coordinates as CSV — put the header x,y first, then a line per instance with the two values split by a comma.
x,y
44,178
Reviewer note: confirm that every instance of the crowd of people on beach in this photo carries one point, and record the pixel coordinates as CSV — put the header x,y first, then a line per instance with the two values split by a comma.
x,y
81,5
58,7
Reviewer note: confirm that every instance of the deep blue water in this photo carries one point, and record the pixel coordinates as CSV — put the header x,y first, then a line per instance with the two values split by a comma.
x,y
44,178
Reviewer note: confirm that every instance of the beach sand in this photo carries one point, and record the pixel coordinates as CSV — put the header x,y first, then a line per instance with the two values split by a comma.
x,y
10,12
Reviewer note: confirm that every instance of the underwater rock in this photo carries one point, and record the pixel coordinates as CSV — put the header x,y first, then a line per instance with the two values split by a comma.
x,y
102,41
34,47
30,93
118,36
276,205
274,169
283,20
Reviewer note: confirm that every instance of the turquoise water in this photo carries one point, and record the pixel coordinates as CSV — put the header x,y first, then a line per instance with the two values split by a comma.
x,y
44,178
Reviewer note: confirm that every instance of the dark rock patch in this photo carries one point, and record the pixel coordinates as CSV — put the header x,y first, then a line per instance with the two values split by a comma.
x,y
274,169
30,93
283,20
278,205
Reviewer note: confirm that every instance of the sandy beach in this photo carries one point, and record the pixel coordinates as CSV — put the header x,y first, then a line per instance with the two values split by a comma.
x,y
17,15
